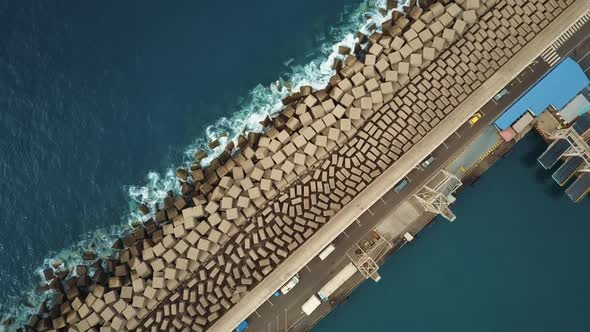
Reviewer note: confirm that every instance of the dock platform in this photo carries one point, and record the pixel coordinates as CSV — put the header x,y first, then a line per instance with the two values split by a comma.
x,y
553,153
566,171
580,188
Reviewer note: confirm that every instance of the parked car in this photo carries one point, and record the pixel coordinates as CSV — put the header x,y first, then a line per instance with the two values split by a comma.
x,y
473,120
426,162
501,94
401,185
242,327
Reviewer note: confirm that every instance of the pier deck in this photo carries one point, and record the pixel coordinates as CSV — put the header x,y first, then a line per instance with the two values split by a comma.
x,y
567,170
580,188
553,153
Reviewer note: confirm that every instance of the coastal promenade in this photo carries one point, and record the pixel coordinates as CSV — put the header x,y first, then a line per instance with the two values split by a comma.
x,y
259,213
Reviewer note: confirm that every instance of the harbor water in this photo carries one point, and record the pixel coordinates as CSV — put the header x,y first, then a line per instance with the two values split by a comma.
x,y
514,260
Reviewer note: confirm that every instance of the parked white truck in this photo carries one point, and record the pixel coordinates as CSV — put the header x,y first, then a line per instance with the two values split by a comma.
x,y
310,305
339,279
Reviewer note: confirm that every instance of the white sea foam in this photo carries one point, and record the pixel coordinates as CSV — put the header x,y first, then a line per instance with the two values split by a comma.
x,y
264,101
261,102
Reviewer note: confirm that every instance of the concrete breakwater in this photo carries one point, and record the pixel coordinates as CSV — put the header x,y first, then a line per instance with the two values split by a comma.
x,y
238,219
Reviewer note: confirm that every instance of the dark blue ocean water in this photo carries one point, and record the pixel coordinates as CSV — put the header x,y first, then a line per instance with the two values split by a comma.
x,y
514,260
94,95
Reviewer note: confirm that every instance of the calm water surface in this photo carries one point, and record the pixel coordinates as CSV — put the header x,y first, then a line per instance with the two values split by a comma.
x,y
514,260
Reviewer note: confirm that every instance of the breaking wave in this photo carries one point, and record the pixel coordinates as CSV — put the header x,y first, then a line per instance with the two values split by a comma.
x,y
261,102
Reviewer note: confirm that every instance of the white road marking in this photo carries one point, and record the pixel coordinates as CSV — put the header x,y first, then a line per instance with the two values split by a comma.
x,y
345,234
286,326
307,268
578,44
456,133
582,58
371,212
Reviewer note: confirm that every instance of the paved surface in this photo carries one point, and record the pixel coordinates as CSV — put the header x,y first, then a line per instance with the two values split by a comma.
x,y
578,48
284,313
381,187
476,150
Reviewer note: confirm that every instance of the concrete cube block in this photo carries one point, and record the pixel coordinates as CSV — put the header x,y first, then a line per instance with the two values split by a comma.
x,y
212,207
333,134
428,53
469,16
438,43
231,214
406,51
358,92
354,113
391,76
436,28
347,100
471,4
243,202
382,65
416,59
449,35
371,85
345,124
310,149
366,103
460,26
375,49
203,228
403,68
299,141
300,158
358,79
377,97
203,244
410,34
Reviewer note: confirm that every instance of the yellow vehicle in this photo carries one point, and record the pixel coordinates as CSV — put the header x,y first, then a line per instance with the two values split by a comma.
x,y
475,118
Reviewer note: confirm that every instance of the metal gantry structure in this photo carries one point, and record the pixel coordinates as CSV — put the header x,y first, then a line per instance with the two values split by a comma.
x,y
366,255
578,146
437,195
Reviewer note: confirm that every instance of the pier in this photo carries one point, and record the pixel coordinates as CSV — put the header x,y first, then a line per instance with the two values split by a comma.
x,y
571,145
258,215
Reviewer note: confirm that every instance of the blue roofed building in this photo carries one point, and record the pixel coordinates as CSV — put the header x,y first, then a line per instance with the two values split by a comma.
x,y
556,88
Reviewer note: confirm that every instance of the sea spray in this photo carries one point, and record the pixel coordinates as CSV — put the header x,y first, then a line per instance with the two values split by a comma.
x,y
261,102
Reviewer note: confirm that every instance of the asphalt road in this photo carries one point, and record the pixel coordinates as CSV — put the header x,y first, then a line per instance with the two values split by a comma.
x,y
577,47
284,313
